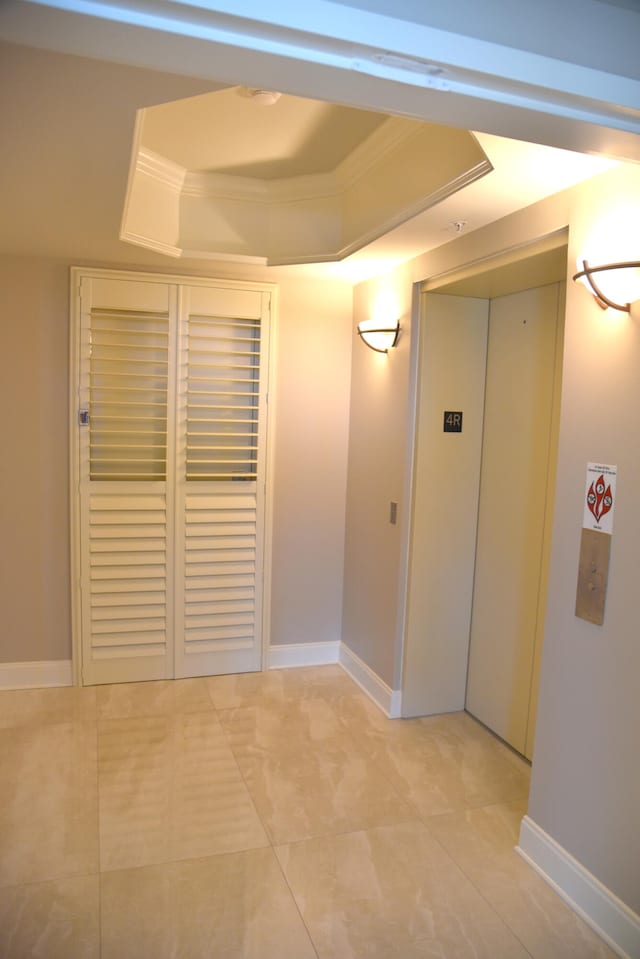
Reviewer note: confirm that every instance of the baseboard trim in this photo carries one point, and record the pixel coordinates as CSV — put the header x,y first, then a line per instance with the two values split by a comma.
x,y
389,700
38,675
56,672
607,915
303,654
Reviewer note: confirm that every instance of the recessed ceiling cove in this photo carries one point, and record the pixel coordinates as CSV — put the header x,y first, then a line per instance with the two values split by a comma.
x,y
284,180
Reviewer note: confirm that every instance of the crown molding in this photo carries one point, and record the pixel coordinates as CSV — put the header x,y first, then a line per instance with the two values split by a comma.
x,y
325,192
424,203
394,133
159,168
224,186
140,239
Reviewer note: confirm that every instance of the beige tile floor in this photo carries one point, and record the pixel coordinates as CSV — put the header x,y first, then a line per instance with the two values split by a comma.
x,y
262,816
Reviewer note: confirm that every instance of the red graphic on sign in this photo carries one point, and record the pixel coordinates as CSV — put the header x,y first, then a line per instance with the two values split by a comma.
x,y
599,499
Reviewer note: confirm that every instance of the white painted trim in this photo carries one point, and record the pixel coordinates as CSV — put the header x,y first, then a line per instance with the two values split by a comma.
x,y
406,513
389,137
269,471
226,186
607,915
56,672
303,654
77,274
497,259
159,168
275,196
389,700
75,304
140,239
133,160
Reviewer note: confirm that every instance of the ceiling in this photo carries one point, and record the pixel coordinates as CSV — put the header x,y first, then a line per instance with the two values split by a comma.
x,y
68,125
234,131
296,181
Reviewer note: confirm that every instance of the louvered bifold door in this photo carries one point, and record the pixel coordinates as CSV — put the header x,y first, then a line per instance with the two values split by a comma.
x,y
220,479
127,451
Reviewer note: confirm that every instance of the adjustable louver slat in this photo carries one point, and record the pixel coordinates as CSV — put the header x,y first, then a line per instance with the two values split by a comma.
x,y
128,373
223,385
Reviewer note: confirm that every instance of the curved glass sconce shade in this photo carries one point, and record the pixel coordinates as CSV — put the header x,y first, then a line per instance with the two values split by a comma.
x,y
601,298
377,337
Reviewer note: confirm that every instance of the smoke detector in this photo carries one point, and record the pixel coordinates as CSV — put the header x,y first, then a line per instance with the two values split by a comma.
x,y
265,98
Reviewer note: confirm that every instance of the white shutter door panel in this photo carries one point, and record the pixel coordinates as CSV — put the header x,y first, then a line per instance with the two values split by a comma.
x,y
126,504
220,480
223,301
109,293
220,597
127,601
171,456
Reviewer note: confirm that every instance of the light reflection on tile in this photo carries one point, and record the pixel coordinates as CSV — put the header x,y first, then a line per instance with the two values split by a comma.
x,y
287,726
62,704
156,698
482,842
396,836
52,920
276,686
170,789
234,906
439,764
388,893
48,802
306,774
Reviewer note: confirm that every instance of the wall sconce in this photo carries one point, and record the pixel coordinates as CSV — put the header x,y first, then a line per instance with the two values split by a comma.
x,y
379,336
603,301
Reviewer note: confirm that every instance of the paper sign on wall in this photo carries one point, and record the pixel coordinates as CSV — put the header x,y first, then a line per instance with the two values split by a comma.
x,y
600,497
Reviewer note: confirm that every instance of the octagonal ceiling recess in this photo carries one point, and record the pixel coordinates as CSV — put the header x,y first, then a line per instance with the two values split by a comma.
x,y
298,181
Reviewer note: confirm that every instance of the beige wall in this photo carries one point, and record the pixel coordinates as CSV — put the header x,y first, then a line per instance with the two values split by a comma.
x,y
34,497
585,782
313,350
380,440
312,421
376,476
586,778
585,789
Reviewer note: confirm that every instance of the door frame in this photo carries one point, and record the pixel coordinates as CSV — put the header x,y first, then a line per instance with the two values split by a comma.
x,y
76,273
511,258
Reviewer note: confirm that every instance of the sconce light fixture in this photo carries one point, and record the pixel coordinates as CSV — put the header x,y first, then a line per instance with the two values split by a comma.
x,y
379,336
603,301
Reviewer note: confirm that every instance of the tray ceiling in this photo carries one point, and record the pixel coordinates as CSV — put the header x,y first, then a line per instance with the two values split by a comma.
x,y
298,181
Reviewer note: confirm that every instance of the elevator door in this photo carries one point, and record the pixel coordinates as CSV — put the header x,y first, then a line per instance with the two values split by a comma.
x,y
515,511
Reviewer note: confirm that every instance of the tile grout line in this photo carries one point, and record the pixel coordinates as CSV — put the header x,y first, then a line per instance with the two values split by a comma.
x,y
364,746
98,827
421,818
267,834
374,762
463,871
242,777
295,901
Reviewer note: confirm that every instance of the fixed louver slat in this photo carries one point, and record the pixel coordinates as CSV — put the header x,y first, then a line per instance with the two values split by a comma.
x,y
127,569
220,562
